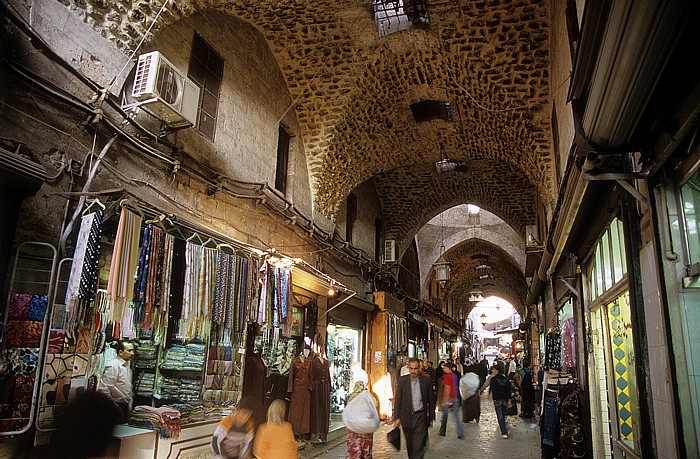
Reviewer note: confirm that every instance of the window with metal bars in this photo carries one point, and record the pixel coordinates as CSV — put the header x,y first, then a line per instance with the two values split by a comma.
x,y
394,16
207,71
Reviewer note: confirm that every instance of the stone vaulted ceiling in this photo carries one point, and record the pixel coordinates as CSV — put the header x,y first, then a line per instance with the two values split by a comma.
x,y
353,90
507,279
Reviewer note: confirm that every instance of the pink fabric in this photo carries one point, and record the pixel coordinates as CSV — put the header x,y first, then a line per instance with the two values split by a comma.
x,y
19,306
568,344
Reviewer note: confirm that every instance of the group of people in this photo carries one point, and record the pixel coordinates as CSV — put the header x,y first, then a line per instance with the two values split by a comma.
x,y
236,437
420,388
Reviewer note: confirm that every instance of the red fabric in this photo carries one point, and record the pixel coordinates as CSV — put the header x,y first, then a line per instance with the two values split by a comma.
x,y
359,446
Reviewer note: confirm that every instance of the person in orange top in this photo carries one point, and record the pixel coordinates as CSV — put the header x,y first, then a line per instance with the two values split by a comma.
x,y
275,438
233,436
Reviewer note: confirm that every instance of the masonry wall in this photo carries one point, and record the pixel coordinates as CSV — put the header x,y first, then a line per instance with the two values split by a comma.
x,y
254,101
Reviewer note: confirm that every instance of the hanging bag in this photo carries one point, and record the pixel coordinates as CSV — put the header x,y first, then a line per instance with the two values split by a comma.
x,y
360,415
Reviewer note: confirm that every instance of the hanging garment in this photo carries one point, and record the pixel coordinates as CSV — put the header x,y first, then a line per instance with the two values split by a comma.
x,y
84,270
300,385
553,351
310,319
124,259
568,344
320,396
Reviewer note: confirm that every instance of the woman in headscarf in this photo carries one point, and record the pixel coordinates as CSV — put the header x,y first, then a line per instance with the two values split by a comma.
x,y
358,445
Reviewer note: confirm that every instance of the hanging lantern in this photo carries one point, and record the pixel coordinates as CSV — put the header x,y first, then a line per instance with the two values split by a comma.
x,y
442,267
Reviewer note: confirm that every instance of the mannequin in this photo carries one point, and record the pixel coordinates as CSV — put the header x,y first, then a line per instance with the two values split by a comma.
x,y
301,384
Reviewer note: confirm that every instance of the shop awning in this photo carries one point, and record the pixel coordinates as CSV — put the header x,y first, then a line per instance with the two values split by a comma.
x,y
309,281
358,302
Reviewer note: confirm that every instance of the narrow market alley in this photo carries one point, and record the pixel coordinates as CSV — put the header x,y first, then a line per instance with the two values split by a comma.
x,y
481,440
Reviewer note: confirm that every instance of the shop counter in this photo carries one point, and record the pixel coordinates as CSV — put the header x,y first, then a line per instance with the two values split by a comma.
x,y
133,442
138,443
193,443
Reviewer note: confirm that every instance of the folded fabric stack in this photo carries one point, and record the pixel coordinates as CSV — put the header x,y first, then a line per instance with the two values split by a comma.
x,y
146,355
179,389
189,357
194,360
165,419
145,383
174,358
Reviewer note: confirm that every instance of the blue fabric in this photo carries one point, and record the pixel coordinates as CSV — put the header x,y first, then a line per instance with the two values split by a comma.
x,y
37,307
501,406
455,410
550,423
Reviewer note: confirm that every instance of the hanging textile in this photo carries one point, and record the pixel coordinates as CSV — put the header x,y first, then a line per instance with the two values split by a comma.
x,y
151,280
123,268
198,294
568,344
243,295
553,351
85,269
253,294
162,289
282,295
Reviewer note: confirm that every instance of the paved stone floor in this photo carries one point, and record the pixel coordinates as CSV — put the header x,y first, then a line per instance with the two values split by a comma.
x,y
481,440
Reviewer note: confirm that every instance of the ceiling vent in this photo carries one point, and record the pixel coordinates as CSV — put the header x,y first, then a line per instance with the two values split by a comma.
x,y
164,91
427,110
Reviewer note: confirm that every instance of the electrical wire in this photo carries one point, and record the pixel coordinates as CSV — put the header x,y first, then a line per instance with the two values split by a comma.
x,y
136,50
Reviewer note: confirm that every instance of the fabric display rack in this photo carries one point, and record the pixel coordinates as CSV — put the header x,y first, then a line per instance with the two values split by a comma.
x,y
185,302
24,332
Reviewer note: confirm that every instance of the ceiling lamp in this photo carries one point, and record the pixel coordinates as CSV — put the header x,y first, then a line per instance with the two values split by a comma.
x,y
442,267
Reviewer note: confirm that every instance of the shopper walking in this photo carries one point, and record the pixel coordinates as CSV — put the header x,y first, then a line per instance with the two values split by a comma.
x,y
414,409
233,437
450,400
500,392
361,417
275,438
526,379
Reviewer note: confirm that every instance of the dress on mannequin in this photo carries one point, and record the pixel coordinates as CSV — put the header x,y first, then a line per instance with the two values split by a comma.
x,y
320,396
300,385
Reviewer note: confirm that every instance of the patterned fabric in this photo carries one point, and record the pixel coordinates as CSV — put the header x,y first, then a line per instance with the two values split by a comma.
x,y
359,446
14,332
37,307
23,333
58,366
82,344
22,401
90,271
56,337
19,306
20,361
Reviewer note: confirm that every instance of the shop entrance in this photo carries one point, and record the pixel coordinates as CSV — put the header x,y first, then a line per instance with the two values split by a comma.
x,y
344,345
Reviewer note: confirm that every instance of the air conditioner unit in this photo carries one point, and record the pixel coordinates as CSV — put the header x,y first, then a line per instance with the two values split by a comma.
x,y
390,251
164,91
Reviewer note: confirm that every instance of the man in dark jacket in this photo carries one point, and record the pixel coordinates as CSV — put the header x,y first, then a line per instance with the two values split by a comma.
x,y
414,409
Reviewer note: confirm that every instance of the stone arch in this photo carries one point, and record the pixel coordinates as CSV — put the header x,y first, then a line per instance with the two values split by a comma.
x,y
508,282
